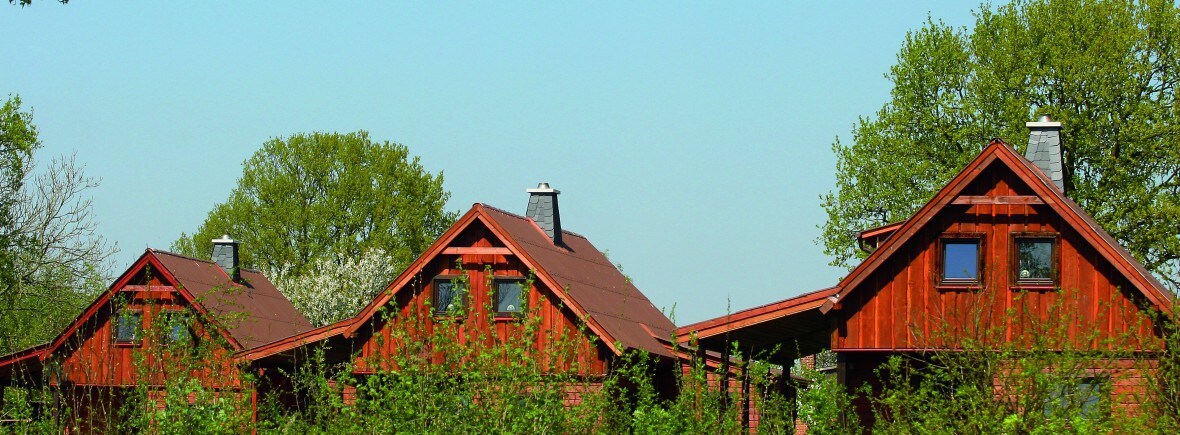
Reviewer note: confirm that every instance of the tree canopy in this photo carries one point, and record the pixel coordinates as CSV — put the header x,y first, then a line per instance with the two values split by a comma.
x,y
1108,70
309,197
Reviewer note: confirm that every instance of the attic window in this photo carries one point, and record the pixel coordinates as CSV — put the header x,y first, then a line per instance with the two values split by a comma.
x,y
960,260
176,331
1034,258
127,326
450,295
509,296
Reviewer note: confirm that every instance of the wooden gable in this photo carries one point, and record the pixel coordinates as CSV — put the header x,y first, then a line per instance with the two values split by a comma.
x,y
88,353
896,299
475,249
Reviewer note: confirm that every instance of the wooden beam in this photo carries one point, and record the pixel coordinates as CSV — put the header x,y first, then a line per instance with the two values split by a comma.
x,y
148,288
476,250
1017,199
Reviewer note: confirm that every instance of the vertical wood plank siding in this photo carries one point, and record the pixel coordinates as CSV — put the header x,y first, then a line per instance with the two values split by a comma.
x,y
92,358
413,310
901,306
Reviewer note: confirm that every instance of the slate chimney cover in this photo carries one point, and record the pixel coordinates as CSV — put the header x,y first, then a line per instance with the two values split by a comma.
x,y
225,254
543,210
1044,148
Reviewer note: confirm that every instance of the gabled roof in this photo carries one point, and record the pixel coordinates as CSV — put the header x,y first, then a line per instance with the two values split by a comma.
x,y
248,314
258,313
999,153
581,277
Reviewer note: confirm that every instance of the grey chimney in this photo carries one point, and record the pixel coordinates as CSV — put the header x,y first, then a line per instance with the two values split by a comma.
x,y
543,210
1044,148
225,254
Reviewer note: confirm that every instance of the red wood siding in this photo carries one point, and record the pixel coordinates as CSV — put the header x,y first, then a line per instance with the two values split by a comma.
x,y
91,357
413,312
901,306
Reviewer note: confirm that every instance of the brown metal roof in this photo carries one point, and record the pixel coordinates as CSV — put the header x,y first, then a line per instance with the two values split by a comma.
x,y
253,311
590,279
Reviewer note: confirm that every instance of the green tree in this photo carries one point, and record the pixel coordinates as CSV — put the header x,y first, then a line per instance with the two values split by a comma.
x,y
312,196
1107,70
51,259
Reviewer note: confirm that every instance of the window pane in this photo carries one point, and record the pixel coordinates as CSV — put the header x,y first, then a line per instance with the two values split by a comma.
x,y
450,296
1083,398
1090,392
127,326
508,296
960,260
177,328
1035,259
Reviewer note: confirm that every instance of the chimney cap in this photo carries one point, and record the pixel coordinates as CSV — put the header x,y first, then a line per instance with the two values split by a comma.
x,y
1043,122
543,188
224,239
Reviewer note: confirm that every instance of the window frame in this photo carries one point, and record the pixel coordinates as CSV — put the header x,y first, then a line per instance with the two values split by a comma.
x,y
166,334
940,262
1096,402
466,295
1014,260
117,319
522,302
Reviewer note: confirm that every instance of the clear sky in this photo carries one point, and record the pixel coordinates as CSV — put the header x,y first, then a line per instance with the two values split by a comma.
x,y
690,141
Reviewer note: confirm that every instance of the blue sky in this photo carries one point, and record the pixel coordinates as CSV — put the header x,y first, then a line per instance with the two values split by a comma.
x,y
690,141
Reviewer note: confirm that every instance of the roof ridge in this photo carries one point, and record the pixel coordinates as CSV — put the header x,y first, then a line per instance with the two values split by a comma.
x,y
186,257
563,230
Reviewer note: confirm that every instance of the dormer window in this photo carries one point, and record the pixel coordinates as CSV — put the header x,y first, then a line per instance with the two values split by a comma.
x,y
450,296
960,258
1034,259
509,296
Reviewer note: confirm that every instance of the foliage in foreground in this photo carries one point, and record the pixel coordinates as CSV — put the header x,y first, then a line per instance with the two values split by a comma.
x,y
1056,374
451,382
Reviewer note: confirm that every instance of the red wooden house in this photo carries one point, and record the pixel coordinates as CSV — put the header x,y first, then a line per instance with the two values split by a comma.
x,y
155,314
508,264
999,248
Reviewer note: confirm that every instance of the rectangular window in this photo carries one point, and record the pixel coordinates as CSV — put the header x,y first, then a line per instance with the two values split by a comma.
x,y
509,295
450,296
1034,258
960,262
127,326
176,328
1082,398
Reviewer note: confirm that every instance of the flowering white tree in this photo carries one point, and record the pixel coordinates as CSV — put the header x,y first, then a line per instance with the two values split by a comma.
x,y
336,286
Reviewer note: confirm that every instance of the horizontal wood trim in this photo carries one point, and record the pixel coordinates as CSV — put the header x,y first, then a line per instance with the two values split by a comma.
x,y
881,230
476,250
755,316
1017,199
294,341
147,288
